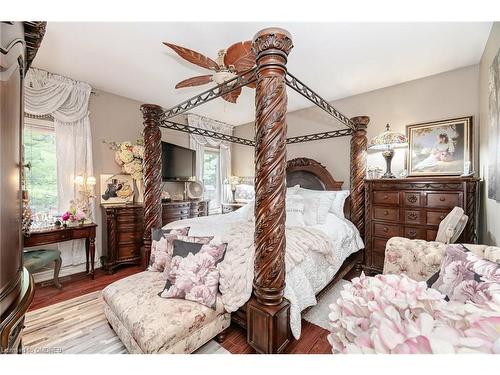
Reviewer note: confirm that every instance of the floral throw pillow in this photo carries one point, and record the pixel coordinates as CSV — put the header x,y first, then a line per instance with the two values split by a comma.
x,y
159,238
466,277
193,275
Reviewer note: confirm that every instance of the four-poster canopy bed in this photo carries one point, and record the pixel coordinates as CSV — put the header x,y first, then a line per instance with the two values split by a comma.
x,y
267,313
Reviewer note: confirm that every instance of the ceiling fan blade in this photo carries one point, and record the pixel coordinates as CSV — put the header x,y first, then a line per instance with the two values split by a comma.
x,y
240,55
194,57
232,96
194,81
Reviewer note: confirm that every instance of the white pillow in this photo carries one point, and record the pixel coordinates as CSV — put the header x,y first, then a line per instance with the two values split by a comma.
x,y
295,211
315,209
292,190
337,198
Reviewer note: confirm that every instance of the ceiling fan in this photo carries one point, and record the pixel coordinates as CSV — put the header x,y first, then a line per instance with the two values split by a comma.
x,y
230,62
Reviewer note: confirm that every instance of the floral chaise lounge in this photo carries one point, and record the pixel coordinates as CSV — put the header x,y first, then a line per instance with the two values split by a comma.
x,y
147,323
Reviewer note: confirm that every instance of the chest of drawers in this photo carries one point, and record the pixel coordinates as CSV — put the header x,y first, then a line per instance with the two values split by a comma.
x,y
173,211
413,208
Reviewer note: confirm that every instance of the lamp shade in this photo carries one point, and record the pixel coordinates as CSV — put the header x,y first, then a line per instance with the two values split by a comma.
x,y
388,140
79,180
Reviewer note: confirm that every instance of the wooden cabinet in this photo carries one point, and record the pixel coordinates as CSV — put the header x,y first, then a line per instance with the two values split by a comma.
x,y
173,211
413,208
19,43
122,241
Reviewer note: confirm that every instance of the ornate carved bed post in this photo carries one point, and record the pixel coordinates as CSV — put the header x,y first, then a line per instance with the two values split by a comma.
x,y
358,171
267,312
152,174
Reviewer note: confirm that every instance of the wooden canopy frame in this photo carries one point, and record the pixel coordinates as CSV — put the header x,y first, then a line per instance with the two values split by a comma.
x,y
267,312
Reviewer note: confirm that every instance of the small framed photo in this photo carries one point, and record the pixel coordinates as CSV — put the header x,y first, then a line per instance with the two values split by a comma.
x,y
440,148
116,188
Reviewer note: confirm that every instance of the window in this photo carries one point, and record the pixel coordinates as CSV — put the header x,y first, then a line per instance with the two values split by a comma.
x,y
211,178
41,179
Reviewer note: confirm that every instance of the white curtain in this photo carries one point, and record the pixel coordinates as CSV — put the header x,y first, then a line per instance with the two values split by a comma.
x,y
494,130
67,101
199,142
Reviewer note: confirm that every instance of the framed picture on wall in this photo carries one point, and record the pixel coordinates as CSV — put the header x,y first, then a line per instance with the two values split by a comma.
x,y
440,148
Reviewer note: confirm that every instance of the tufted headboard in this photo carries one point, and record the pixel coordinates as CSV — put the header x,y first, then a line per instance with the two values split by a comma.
x,y
310,174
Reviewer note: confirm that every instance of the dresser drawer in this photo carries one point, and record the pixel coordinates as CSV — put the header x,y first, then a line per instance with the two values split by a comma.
x,y
385,230
412,216
130,250
386,197
435,217
412,198
377,260
414,233
378,245
444,199
431,235
178,211
386,213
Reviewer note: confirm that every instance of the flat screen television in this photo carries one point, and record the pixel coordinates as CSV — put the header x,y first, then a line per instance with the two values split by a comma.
x,y
177,163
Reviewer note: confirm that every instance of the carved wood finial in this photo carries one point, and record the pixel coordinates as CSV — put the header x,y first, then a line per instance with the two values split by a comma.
x,y
359,144
152,174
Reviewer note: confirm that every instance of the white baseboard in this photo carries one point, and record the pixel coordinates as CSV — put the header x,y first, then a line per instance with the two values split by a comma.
x,y
65,271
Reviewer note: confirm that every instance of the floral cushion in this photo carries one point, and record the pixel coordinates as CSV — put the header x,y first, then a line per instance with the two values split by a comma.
x,y
164,248
464,276
159,239
193,275
150,324
418,259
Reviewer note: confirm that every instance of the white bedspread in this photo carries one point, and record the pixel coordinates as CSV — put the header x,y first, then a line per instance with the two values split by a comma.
x,y
314,255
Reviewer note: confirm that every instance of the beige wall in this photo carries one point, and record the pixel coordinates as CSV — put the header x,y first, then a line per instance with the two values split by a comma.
x,y
116,118
450,94
490,224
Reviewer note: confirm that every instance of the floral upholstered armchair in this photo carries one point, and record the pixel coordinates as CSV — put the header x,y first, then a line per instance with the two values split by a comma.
x,y
420,259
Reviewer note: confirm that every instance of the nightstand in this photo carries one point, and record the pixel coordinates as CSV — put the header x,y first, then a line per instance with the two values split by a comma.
x,y
230,207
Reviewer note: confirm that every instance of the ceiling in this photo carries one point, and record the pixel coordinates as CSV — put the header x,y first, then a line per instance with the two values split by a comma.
x,y
334,59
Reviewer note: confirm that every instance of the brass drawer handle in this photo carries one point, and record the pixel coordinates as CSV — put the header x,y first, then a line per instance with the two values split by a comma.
x,y
386,212
442,199
386,196
442,217
385,229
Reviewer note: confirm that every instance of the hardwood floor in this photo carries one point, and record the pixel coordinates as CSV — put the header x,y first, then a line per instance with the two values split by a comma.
x,y
77,285
312,341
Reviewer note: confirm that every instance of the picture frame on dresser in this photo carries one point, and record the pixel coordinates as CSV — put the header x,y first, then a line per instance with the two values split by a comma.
x,y
440,148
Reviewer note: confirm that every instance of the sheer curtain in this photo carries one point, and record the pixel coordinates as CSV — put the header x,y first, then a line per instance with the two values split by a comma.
x,y
199,142
67,102
494,131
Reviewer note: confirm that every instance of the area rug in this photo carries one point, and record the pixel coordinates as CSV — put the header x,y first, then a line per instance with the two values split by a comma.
x,y
79,325
318,314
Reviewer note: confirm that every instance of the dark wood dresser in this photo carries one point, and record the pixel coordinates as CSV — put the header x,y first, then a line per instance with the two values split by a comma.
x,y
122,241
173,211
19,43
413,208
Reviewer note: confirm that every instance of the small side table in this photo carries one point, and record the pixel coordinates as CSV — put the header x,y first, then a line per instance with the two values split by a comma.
x,y
230,207
61,234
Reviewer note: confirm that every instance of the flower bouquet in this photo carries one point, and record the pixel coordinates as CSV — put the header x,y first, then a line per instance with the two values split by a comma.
x,y
74,216
129,157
